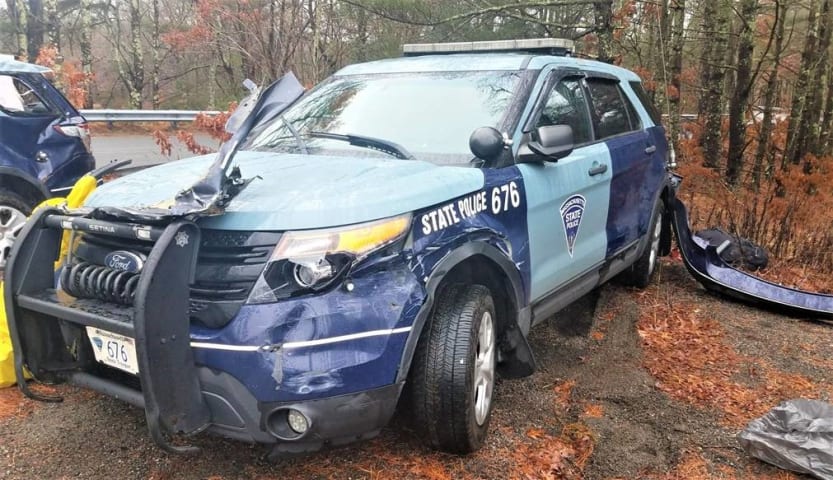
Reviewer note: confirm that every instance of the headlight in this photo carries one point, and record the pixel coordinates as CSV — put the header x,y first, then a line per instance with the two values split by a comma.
x,y
312,260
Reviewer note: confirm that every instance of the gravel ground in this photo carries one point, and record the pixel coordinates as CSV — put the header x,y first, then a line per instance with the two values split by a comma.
x,y
591,375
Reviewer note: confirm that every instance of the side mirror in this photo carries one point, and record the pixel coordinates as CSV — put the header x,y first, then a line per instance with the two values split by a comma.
x,y
487,143
552,142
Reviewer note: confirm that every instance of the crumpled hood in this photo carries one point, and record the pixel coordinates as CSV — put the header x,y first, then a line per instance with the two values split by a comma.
x,y
300,191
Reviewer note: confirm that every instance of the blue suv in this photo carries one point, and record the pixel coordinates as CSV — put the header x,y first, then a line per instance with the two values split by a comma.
x,y
385,239
44,145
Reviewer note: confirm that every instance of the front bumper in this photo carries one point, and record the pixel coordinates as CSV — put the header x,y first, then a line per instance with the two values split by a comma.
x,y
333,421
237,381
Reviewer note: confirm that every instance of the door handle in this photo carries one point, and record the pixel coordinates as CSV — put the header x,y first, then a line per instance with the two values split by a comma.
x,y
650,149
597,169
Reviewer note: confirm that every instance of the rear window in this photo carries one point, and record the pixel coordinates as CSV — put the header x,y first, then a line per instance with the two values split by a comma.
x,y
646,102
18,98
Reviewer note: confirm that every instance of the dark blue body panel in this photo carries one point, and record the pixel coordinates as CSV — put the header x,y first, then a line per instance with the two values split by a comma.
x,y
473,217
638,178
362,333
385,297
23,136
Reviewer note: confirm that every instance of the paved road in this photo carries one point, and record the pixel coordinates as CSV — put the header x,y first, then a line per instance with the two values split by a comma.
x,y
141,148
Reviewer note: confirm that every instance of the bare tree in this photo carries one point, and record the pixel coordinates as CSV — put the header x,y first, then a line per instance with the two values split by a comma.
x,y
808,58
713,97
743,87
764,149
19,13
85,45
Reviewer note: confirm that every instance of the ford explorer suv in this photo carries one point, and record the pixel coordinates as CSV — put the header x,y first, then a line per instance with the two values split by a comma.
x,y
383,241
44,145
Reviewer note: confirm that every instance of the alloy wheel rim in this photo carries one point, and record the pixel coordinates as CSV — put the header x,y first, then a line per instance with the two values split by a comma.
x,y
652,258
484,369
11,222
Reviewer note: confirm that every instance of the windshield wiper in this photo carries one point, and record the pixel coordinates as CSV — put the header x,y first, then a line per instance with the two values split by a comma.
x,y
384,146
297,136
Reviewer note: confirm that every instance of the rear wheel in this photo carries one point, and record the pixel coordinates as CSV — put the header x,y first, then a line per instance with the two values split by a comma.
x,y
642,272
13,213
453,374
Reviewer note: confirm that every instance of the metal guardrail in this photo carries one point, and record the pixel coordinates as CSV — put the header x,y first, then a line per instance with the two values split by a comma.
x,y
173,116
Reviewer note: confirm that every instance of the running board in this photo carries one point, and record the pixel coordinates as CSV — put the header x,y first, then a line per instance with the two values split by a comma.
x,y
705,264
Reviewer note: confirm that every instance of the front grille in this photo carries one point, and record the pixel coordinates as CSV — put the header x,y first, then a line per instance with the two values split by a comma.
x,y
229,263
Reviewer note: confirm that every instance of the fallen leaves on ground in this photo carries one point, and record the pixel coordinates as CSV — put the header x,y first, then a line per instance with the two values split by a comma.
x,y
14,404
593,410
694,466
686,351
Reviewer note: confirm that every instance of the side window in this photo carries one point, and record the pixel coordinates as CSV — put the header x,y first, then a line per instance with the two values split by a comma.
x,y
567,105
656,117
609,107
16,98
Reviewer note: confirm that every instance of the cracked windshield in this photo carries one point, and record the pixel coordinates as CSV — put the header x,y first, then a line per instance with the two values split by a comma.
x,y
431,115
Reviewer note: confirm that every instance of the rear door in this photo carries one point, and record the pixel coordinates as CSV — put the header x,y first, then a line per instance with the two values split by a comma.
x,y
567,200
40,132
636,171
26,119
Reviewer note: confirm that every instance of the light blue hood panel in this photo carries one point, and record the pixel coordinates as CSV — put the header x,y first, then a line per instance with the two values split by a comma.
x,y
300,191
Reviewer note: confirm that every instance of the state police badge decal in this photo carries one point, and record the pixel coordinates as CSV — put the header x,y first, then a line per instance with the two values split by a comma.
x,y
571,212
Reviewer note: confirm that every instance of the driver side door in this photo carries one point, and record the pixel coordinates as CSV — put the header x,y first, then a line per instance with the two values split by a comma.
x,y
567,200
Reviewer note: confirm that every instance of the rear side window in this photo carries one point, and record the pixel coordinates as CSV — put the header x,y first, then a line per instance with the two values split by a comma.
x,y
567,105
646,102
610,109
17,98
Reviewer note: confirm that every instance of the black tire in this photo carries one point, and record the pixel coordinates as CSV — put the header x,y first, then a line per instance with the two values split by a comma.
x,y
9,226
643,270
443,398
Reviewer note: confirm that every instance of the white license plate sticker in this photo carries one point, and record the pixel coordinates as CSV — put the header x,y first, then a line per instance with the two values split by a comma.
x,y
114,350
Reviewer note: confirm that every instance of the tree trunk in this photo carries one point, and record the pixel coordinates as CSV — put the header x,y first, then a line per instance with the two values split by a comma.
x,y
604,30
34,31
362,34
794,135
136,70
661,59
814,108
765,132
827,121
86,51
676,61
156,46
743,87
713,98
707,25
20,17
212,85
52,23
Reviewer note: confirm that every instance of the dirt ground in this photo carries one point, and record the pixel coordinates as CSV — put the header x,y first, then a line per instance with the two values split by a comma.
x,y
632,384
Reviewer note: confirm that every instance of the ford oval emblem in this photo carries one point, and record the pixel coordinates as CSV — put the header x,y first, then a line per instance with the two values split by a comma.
x,y
125,261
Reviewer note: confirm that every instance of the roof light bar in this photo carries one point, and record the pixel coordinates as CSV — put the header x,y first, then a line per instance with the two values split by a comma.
x,y
549,46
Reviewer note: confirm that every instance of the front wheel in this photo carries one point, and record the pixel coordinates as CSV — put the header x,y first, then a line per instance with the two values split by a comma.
x,y
13,212
453,373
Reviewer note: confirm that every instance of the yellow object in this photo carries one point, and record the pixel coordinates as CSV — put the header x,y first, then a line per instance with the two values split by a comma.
x,y
6,358
82,188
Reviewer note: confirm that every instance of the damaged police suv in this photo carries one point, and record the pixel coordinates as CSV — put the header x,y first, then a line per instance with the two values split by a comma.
x,y
386,239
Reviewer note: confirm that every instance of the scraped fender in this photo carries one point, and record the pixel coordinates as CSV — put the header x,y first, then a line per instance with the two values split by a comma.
x,y
704,263
519,360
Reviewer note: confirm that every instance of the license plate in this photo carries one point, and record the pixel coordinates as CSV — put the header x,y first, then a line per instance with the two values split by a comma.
x,y
114,350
